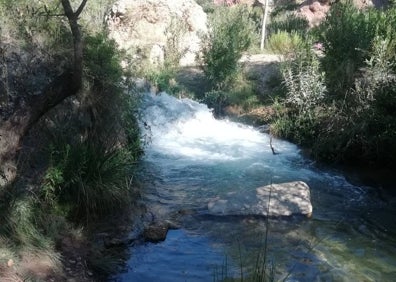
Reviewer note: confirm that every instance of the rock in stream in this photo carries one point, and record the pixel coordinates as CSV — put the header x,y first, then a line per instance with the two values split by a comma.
x,y
275,200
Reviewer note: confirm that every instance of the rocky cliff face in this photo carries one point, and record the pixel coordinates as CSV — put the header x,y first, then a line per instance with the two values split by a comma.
x,y
155,26
315,11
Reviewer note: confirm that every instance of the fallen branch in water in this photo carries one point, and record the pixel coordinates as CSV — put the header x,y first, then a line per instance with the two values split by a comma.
x,y
272,148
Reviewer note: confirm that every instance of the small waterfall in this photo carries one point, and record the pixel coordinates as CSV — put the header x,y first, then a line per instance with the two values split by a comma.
x,y
193,159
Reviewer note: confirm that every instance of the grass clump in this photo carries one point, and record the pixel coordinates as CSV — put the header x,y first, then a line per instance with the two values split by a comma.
x,y
87,181
284,43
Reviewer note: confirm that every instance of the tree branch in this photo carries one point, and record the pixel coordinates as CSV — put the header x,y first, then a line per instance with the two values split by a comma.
x,y
79,10
77,42
69,83
68,9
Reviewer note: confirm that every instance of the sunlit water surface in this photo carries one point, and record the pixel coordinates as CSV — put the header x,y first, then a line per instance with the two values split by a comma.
x,y
192,158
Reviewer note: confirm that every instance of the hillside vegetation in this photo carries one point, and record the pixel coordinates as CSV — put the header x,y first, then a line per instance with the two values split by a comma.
x,y
334,93
69,137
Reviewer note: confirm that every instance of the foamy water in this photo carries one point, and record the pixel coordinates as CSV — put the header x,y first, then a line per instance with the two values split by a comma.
x,y
192,158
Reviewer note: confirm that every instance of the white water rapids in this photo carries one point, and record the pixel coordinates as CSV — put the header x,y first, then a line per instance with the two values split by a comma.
x,y
192,158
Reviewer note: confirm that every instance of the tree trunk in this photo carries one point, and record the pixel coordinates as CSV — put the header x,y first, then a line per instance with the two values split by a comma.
x,y
263,28
68,84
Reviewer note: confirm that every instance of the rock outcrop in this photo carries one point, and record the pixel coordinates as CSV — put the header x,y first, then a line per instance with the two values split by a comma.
x,y
145,25
314,11
276,200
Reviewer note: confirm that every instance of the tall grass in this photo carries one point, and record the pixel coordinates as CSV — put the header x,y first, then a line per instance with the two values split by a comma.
x,y
88,180
263,270
284,43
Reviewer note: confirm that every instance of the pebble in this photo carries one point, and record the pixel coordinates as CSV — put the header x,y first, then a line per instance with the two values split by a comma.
x,y
10,262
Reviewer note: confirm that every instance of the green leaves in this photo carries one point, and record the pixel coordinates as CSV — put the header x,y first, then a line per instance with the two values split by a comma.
x,y
231,33
102,60
87,180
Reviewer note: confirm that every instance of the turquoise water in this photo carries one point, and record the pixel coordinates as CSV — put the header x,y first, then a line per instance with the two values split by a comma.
x,y
192,158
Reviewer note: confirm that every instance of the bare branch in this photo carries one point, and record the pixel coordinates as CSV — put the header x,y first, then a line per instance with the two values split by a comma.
x,y
79,10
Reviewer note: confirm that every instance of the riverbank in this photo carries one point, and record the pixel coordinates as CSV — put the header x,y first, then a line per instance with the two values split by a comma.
x,y
195,160
263,71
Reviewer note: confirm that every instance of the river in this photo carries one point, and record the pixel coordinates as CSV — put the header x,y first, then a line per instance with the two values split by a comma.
x,y
192,158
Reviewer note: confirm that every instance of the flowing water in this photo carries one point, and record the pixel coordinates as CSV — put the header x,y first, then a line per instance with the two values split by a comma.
x,y
192,159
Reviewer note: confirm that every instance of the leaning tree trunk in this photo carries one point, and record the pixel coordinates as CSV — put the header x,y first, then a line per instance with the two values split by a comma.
x,y
69,83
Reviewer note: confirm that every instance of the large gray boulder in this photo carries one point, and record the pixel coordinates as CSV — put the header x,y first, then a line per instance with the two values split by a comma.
x,y
145,25
275,200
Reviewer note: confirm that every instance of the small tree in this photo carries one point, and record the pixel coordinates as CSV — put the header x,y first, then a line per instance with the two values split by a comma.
x,y
25,116
231,33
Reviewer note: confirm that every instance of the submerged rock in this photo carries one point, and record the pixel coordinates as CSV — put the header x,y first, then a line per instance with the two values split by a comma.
x,y
275,200
285,199
156,232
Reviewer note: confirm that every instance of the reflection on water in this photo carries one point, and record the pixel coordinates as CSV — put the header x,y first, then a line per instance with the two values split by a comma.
x,y
193,158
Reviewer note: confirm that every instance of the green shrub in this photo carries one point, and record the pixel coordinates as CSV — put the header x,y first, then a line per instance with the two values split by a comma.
x,y
110,104
306,89
208,6
174,33
359,63
216,100
243,92
231,32
284,8
289,23
102,60
347,35
284,43
304,81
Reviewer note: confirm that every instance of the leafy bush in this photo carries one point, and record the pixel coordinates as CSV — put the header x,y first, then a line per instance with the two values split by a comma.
x,y
284,43
359,64
164,79
216,100
347,35
289,23
102,60
364,127
208,6
346,113
231,33
304,81
300,112
110,106
174,33
243,93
